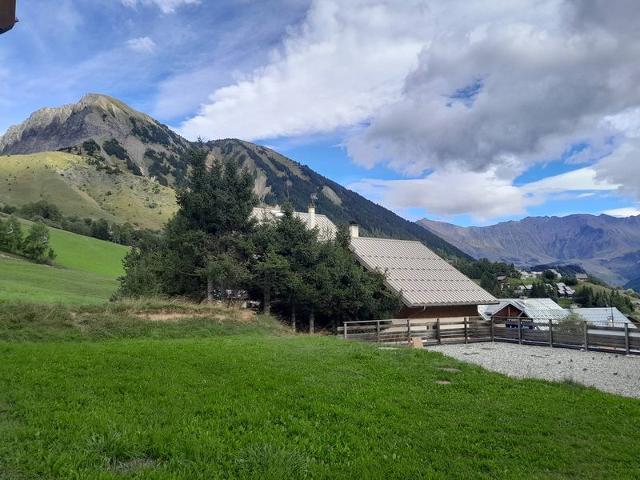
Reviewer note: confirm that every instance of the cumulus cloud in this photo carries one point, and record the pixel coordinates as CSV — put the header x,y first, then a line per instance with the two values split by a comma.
x,y
142,45
166,6
347,59
472,92
542,82
482,195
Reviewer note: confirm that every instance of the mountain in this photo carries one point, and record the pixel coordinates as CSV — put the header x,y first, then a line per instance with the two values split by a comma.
x,y
116,142
605,246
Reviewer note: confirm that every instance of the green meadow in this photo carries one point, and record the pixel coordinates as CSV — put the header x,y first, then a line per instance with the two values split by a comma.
x,y
85,271
171,391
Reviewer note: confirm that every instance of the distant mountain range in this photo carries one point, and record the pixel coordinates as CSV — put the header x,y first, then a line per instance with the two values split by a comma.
x,y
117,163
605,246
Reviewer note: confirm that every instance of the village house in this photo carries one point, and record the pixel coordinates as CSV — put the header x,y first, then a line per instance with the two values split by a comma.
x,y
533,311
429,287
582,277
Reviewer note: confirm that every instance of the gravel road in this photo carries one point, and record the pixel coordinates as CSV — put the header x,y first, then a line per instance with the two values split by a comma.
x,y
605,371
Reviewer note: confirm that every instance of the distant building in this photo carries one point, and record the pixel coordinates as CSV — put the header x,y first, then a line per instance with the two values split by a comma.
x,y
556,273
543,310
428,286
582,277
603,317
326,228
564,290
529,309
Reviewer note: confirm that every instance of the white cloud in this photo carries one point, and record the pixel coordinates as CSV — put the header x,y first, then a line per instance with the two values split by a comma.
x,y
142,45
482,195
474,92
166,6
451,192
346,60
623,212
623,167
583,179
546,76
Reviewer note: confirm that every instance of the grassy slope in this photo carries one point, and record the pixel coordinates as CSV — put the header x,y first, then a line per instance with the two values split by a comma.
x,y
85,271
87,254
30,282
79,189
249,402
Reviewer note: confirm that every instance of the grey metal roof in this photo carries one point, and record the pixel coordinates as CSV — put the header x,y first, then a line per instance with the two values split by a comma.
x,y
603,316
537,309
326,228
420,276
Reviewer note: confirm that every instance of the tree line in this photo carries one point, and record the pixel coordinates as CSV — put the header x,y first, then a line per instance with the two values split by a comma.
x,y
34,246
213,249
50,214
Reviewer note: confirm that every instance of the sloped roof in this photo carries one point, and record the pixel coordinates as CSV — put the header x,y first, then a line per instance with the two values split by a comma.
x,y
602,316
538,309
420,276
327,229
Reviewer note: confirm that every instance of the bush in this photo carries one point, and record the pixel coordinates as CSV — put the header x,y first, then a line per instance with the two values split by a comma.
x,y
41,209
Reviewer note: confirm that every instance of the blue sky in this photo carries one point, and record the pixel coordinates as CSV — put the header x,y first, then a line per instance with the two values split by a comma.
x,y
471,112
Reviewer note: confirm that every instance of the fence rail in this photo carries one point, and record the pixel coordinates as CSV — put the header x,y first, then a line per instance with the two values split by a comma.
x,y
618,338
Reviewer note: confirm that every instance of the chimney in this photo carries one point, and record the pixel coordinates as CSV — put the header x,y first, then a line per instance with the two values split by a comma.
x,y
354,230
312,215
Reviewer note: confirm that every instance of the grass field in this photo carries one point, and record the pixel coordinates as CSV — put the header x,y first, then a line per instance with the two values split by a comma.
x,y
101,394
85,272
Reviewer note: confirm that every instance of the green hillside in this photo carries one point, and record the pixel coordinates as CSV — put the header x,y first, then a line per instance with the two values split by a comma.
x,y
84,190
87,254
29,282
85,272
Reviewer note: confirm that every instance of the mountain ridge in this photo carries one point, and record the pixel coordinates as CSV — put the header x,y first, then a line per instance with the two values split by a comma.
x,y
119,140
606,246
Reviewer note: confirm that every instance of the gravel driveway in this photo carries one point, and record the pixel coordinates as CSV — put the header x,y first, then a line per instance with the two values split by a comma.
x,y
606,371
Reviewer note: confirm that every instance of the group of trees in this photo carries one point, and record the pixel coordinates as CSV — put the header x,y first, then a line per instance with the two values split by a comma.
x,y
49,213
34,246
588,297
212,249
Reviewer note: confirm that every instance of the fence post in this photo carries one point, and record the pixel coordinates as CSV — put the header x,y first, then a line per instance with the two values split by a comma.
x,y
551,333
408,330
585,330
626,338
438,332
520,331
492,333
378,331
465,330
344,329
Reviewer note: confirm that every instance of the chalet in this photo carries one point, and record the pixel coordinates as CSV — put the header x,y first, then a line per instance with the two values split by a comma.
x,y
529,309
428,286
582,277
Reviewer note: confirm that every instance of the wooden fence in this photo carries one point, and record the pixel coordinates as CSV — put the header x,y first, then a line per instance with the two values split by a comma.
x,y
619,338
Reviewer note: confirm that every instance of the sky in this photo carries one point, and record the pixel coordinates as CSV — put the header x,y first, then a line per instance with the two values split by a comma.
x,y
465,111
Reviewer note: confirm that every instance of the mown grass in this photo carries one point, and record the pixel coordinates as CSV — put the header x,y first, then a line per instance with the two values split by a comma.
x,y
85,271
87,254
99,393
30,282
